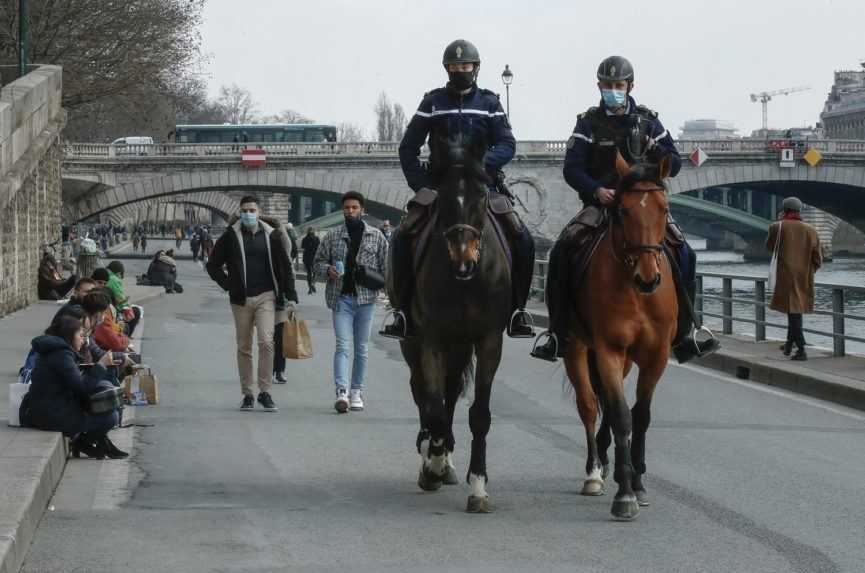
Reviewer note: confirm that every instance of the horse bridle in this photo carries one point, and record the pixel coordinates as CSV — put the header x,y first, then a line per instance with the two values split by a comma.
x,y
632,252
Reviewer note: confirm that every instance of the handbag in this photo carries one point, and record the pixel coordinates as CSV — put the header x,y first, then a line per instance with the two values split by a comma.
x,y
296,342
369,278
773,264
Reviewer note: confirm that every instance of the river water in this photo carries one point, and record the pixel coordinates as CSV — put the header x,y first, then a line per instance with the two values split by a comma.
x,y
844,271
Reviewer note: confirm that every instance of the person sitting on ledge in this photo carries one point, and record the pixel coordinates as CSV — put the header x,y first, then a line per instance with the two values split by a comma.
x,y
51,285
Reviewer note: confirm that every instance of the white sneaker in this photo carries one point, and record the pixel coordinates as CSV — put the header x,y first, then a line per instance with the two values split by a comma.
x,y
341,404
356,400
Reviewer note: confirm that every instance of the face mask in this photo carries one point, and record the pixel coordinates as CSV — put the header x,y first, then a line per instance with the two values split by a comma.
x,y
462,80
353,223
614,98
249,219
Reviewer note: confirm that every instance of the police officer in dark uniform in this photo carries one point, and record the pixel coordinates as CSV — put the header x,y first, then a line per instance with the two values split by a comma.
x,y
618,124
458,108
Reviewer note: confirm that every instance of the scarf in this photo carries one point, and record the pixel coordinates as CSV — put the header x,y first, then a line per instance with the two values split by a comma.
x,y
792,216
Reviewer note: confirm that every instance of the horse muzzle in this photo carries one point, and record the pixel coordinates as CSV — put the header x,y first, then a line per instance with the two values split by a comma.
x,y
464,250
646,287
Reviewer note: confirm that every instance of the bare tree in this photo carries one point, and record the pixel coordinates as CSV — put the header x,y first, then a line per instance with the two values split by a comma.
x,y
237,104
349,132
125,62
384,118
399,122
286,116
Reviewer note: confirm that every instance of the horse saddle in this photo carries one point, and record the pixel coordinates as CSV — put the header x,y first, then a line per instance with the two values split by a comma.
x,y
584,248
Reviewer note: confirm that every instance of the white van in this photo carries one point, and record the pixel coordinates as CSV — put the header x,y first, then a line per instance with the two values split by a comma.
x,y
133,140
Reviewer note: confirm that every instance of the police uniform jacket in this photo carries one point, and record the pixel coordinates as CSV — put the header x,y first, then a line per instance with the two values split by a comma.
x,y
589,160
444,112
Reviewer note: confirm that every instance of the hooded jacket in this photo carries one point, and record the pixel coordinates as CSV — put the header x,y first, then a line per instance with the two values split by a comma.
x,y
227,263
58,389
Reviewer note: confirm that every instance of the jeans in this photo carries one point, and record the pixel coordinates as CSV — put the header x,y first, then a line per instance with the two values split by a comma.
x,y
310,276
794,330
98,425
351,322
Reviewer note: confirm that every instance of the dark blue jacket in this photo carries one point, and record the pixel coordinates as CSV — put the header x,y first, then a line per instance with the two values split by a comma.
x,y
582,143
477,114
58,390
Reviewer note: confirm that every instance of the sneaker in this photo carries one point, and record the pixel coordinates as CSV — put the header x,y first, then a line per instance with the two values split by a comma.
x,y
355,400
279,378
341,404
266,402
248,404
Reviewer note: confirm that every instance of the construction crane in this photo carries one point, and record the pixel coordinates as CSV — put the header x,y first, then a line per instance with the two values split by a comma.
x,y
765,97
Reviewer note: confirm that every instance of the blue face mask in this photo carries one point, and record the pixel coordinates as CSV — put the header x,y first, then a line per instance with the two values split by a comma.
x,y
249,219
614,98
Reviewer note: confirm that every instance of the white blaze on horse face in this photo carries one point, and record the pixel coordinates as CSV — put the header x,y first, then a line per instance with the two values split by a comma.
x,y
478,485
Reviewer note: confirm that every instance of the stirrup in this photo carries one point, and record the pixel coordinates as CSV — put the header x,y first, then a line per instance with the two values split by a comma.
x,y
550,336
383,331
691,348
531,324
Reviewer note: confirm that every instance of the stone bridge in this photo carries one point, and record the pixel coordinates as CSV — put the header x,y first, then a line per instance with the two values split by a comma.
x,y
100,178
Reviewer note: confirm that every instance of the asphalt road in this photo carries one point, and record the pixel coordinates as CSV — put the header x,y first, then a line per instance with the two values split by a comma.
x,y
742,478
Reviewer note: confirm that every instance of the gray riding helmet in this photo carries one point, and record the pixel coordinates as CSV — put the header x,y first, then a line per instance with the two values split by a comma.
x,y
616,69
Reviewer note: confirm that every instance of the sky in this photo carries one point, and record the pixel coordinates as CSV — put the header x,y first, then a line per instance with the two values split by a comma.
x,y
694,59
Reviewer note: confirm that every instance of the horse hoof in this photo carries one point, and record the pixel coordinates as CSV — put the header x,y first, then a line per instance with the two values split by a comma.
x,y
593,487
450,477
428,482
478,505
642,498
625,507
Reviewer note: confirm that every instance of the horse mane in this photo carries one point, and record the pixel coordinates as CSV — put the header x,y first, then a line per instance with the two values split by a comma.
x,y
650,172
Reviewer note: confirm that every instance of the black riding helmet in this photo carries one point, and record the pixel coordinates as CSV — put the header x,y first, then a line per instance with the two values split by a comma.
x,y
616,69
462,52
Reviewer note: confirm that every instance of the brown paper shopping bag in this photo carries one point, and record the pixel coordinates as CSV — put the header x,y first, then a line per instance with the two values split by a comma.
x,y
296,343
149,384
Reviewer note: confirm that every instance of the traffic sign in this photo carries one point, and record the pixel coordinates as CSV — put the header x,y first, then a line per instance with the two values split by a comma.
x,y
787,159
813,157
253,157
698,157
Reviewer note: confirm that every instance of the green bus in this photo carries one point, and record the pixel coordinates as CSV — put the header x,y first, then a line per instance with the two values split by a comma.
x,y
266,133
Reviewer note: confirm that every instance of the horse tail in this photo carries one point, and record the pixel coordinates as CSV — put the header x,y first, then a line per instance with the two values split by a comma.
x,y
468,374
595,377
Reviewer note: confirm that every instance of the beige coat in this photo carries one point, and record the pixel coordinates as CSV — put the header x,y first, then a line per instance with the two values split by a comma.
x,y
799,256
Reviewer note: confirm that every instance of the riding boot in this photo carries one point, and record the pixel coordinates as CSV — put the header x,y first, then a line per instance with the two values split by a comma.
x,y
686,346
403,285
554,338
520,324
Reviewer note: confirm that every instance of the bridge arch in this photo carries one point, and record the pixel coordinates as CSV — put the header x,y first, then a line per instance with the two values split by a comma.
x,y
222,204
838,189
331,184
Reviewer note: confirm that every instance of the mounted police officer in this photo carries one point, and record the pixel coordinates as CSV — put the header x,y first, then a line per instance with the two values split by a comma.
x,y
459,108
618,124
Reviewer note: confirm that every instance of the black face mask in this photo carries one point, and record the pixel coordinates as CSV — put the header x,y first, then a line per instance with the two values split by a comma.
x,y
462,80
353,223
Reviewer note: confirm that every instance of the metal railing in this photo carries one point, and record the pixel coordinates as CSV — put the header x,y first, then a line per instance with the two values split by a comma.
x,y
759,301
757,148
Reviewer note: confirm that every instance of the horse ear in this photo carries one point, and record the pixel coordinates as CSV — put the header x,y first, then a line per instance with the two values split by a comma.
x,y
665,167
622,167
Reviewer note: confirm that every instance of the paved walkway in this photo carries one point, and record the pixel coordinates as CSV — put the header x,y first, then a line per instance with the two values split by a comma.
x,y
835,379
31,461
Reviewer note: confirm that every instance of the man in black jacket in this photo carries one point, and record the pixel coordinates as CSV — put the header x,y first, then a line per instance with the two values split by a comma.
x,y
309,245
251,263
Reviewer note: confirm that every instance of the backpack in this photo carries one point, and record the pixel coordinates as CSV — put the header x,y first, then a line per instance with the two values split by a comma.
x,y
25,373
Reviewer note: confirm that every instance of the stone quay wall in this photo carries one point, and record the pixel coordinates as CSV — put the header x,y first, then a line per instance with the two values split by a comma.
x,y
31,121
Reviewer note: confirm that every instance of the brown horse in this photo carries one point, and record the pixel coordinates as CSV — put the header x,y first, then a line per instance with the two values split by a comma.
x,y
625,313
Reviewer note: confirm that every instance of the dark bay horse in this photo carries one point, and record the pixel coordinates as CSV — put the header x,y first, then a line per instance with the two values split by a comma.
x,y
625,314
461,308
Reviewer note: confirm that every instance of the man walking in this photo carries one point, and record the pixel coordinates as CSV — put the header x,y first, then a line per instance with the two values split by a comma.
x,y
799,257
250,262
344,251
309,246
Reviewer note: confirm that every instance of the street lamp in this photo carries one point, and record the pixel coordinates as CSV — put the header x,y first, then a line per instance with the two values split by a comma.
x,y
23,40
508,79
